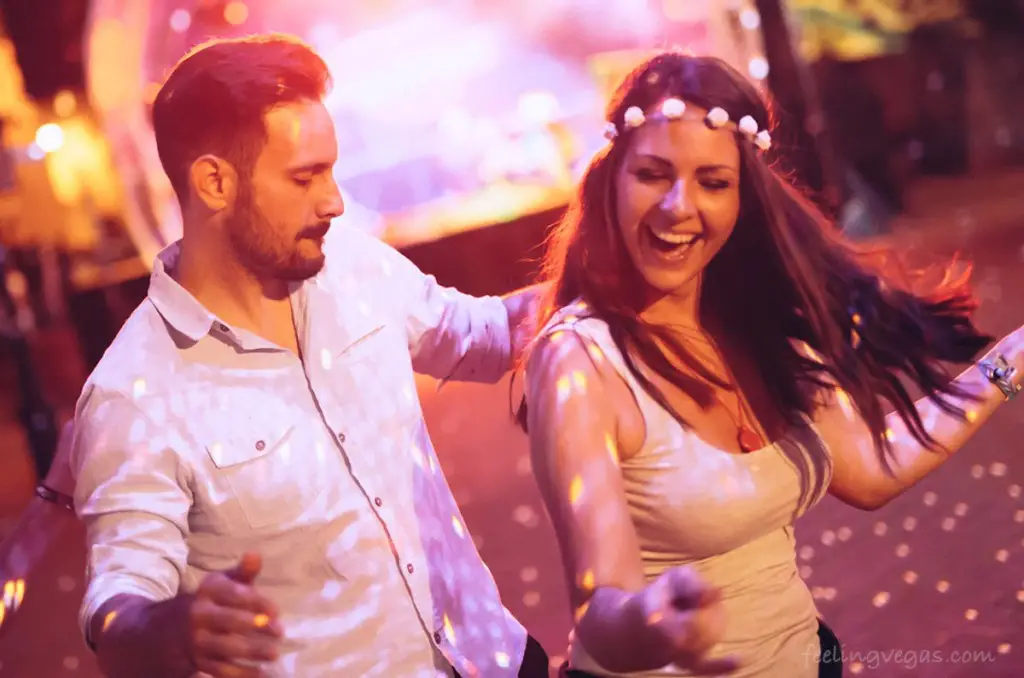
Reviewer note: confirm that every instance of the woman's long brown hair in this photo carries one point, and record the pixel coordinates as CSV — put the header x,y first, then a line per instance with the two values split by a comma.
x,y
785,274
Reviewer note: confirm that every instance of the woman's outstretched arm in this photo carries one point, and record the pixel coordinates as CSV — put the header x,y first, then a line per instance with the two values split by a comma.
x,y
623,623
861,479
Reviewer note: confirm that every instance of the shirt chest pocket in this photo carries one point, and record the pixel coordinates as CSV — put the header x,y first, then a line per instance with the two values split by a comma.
x,y
262,461
378,369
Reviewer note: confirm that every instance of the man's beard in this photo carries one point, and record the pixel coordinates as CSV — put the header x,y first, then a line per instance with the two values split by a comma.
x,y
259,248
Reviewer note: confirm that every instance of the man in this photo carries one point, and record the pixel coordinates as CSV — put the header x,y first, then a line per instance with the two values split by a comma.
x,y
260,493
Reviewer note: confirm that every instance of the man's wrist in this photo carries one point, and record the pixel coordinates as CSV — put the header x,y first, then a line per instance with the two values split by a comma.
x,y
132,635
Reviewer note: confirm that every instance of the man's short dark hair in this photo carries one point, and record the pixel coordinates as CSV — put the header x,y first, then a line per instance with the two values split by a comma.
x,y
215,98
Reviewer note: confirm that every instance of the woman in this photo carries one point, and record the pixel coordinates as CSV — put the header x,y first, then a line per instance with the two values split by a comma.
x,y
715,357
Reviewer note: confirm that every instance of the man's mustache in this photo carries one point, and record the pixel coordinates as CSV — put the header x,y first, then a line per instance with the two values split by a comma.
x,y
315,232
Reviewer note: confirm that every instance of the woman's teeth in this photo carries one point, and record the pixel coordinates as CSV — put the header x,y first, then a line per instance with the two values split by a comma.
x,y
675,238
675,246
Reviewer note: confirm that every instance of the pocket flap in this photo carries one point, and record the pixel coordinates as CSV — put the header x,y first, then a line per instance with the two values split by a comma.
x,y
245,433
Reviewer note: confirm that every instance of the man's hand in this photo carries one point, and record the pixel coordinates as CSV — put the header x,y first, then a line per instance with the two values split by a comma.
x,y
232,628
522,307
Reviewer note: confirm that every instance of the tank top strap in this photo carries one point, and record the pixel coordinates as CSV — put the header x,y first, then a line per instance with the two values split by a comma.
x,y
579,319
564,318
596,337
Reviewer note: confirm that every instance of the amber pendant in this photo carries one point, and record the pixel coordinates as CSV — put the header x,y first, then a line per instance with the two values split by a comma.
x,y
748,440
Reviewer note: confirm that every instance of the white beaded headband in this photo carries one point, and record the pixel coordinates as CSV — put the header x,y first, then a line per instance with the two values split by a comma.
x,y
673,109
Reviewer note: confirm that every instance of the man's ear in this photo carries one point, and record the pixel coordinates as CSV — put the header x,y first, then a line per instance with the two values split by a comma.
x,y
214,182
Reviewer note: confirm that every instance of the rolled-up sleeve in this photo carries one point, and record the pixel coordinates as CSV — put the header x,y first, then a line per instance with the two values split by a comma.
x,y
452,336
132,494
455,336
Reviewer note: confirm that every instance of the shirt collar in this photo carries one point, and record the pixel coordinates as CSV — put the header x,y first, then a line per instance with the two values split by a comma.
x,y
186,315
177,306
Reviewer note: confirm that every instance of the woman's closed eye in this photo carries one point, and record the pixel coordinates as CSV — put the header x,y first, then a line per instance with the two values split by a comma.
x,y
650,176
715,184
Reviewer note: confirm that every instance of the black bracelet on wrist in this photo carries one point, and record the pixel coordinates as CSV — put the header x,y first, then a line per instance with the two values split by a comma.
x,y
47,493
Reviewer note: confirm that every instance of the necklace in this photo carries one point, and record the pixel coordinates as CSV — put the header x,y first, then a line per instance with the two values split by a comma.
x,y
746,437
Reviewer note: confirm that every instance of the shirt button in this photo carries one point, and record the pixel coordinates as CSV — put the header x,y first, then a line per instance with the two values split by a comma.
x,y
260,445
437,637
409,568
341,437
378,501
